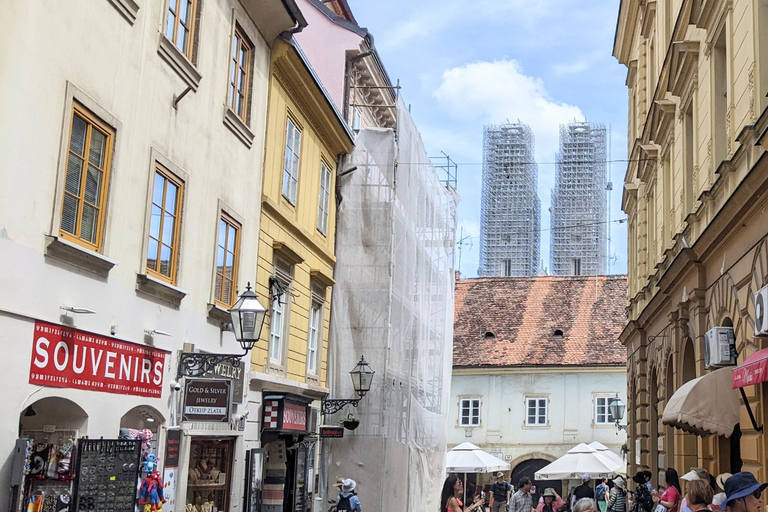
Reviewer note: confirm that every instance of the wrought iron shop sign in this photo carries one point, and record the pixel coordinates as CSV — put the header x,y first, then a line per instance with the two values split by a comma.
x,y
207,400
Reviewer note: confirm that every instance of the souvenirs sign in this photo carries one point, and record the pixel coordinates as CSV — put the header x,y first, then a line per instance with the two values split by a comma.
x,y
64,357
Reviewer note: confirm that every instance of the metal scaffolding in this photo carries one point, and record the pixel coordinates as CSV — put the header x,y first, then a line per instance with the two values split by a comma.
x,y
578,244
510,213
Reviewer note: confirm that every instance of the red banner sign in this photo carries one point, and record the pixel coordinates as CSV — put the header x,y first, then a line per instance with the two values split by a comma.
x,y
64,357
294,417
753,371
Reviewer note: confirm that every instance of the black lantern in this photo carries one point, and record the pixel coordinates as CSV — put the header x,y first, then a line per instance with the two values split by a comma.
x,y
247,319
362,376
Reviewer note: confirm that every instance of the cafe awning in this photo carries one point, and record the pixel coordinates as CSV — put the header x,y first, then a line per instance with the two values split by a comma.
x,y
752,371
706,405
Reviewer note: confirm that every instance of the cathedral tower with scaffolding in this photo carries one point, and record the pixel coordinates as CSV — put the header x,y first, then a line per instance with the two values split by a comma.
x,y
578,243
510,208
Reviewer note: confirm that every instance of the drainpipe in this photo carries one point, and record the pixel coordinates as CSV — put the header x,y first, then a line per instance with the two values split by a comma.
x,y
298,17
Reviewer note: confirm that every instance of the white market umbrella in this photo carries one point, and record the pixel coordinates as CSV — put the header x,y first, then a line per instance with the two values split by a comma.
x,y
579,460
468,458
600,447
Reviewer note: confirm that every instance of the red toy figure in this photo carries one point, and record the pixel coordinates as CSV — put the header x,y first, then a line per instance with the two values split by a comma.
x,y
151,493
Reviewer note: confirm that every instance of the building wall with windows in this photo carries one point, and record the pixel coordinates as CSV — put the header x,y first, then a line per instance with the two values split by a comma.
x,y
694,197
305,139
131,157
536,360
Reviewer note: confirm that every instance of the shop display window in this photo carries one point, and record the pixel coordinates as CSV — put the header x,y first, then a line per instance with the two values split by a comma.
x,y
210,471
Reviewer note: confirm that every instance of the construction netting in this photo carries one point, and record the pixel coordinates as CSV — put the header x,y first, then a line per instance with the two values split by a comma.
x,y
393,304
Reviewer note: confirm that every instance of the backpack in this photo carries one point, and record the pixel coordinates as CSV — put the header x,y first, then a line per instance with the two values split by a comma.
x,y
499,491
643,499
344,504
600,492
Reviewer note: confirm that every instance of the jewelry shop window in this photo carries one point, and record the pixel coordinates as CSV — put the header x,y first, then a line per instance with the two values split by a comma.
x,y
210,472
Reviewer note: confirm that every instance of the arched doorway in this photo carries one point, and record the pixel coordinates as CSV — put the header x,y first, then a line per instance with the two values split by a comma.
x,y
653,390
669,432
529,468
49,429
690,452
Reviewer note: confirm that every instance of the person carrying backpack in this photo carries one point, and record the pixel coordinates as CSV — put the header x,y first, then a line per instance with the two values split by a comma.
x,y
347,500
500,491
643,497
601,492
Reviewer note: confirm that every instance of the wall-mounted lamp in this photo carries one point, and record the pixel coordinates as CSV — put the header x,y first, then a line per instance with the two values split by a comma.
x,y
247,320
77,310
362,376
151,333
616,407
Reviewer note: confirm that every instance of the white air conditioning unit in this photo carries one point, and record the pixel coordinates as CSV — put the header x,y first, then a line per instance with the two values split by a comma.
x,y
719,347
761,318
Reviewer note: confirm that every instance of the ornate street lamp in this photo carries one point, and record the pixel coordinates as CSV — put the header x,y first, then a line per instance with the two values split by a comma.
x,y
616,407
247,321
362,376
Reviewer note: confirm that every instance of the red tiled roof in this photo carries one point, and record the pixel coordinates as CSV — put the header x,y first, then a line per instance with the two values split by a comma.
x,y
523,314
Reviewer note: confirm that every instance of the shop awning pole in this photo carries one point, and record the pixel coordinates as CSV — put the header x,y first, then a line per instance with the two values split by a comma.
x,y
749,410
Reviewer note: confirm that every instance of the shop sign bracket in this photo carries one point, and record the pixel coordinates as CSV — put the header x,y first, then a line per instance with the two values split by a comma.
x,y
198,364
334,406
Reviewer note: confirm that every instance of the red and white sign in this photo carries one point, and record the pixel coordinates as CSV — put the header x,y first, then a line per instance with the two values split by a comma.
x,y
294,417
752,371
64,357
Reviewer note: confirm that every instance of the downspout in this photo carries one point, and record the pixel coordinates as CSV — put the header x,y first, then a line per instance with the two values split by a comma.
x,y
298,18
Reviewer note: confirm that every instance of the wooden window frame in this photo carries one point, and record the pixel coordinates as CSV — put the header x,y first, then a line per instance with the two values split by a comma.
x,y
278,365
312,359
169,176
288,174
191,30
240,44
226,221
324,199
92,121
471,407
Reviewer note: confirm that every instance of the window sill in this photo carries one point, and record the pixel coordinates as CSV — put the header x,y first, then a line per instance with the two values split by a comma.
x,y
156,288
219,314
238,127
313,379
128,8
179,62
274,369
80,257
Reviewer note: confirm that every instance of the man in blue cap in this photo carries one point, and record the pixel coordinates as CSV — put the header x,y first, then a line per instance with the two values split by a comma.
x,y
743,493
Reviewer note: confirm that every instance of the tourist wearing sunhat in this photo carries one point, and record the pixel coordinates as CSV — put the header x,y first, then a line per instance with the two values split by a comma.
x,y
500,491
718,500
618,500
347,500
743,492
550,501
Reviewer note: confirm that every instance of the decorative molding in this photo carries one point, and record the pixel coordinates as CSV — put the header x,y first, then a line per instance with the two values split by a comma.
x,y
127,8
751,86
728,138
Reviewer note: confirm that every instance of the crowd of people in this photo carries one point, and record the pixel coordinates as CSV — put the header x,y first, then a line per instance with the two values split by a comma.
x,y
702,492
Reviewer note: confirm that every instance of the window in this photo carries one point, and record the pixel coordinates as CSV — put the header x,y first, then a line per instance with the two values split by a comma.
x,y
602,414
576,266
87,177
323,202
276,331
291,163
536,414
314,336
179,28
164,225
227,250
507,267
280,293
239,75
356,118
469,412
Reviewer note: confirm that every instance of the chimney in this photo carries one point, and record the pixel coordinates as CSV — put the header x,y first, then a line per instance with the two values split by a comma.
x,y
456,275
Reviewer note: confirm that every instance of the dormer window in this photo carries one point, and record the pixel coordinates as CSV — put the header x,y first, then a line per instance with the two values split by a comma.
x,y
489,335
558,332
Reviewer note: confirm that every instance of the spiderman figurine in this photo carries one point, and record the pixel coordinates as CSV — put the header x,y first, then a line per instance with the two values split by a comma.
x,y
151,493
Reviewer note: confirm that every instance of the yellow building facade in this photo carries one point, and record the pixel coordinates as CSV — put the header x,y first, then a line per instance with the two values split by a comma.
x,y
694,195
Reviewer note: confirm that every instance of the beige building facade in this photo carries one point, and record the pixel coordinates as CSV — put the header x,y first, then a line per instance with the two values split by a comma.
x,y
694,195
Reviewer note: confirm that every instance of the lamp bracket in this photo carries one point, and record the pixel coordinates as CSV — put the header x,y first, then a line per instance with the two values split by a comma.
x,y
198,364
278,289
619,428
334,406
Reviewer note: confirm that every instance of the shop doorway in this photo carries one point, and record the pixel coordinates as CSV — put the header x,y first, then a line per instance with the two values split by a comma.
x,y
48,432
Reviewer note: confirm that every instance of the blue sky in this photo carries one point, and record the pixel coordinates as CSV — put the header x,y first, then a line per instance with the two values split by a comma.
x,y
543,62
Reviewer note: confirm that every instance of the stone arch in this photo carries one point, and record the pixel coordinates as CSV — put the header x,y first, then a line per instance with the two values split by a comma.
x,y
669,432
687,442
723,306
54,410
528,467
653,391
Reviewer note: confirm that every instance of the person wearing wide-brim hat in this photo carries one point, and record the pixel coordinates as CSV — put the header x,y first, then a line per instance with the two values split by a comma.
x,y
618,500
743,493
550,501
347,500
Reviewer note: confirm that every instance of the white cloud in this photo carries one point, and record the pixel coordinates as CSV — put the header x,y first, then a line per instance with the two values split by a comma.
x,y
493,92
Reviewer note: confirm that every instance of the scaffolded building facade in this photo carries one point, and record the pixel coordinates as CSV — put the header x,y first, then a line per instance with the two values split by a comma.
x,y
393,304
510,213
578,243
